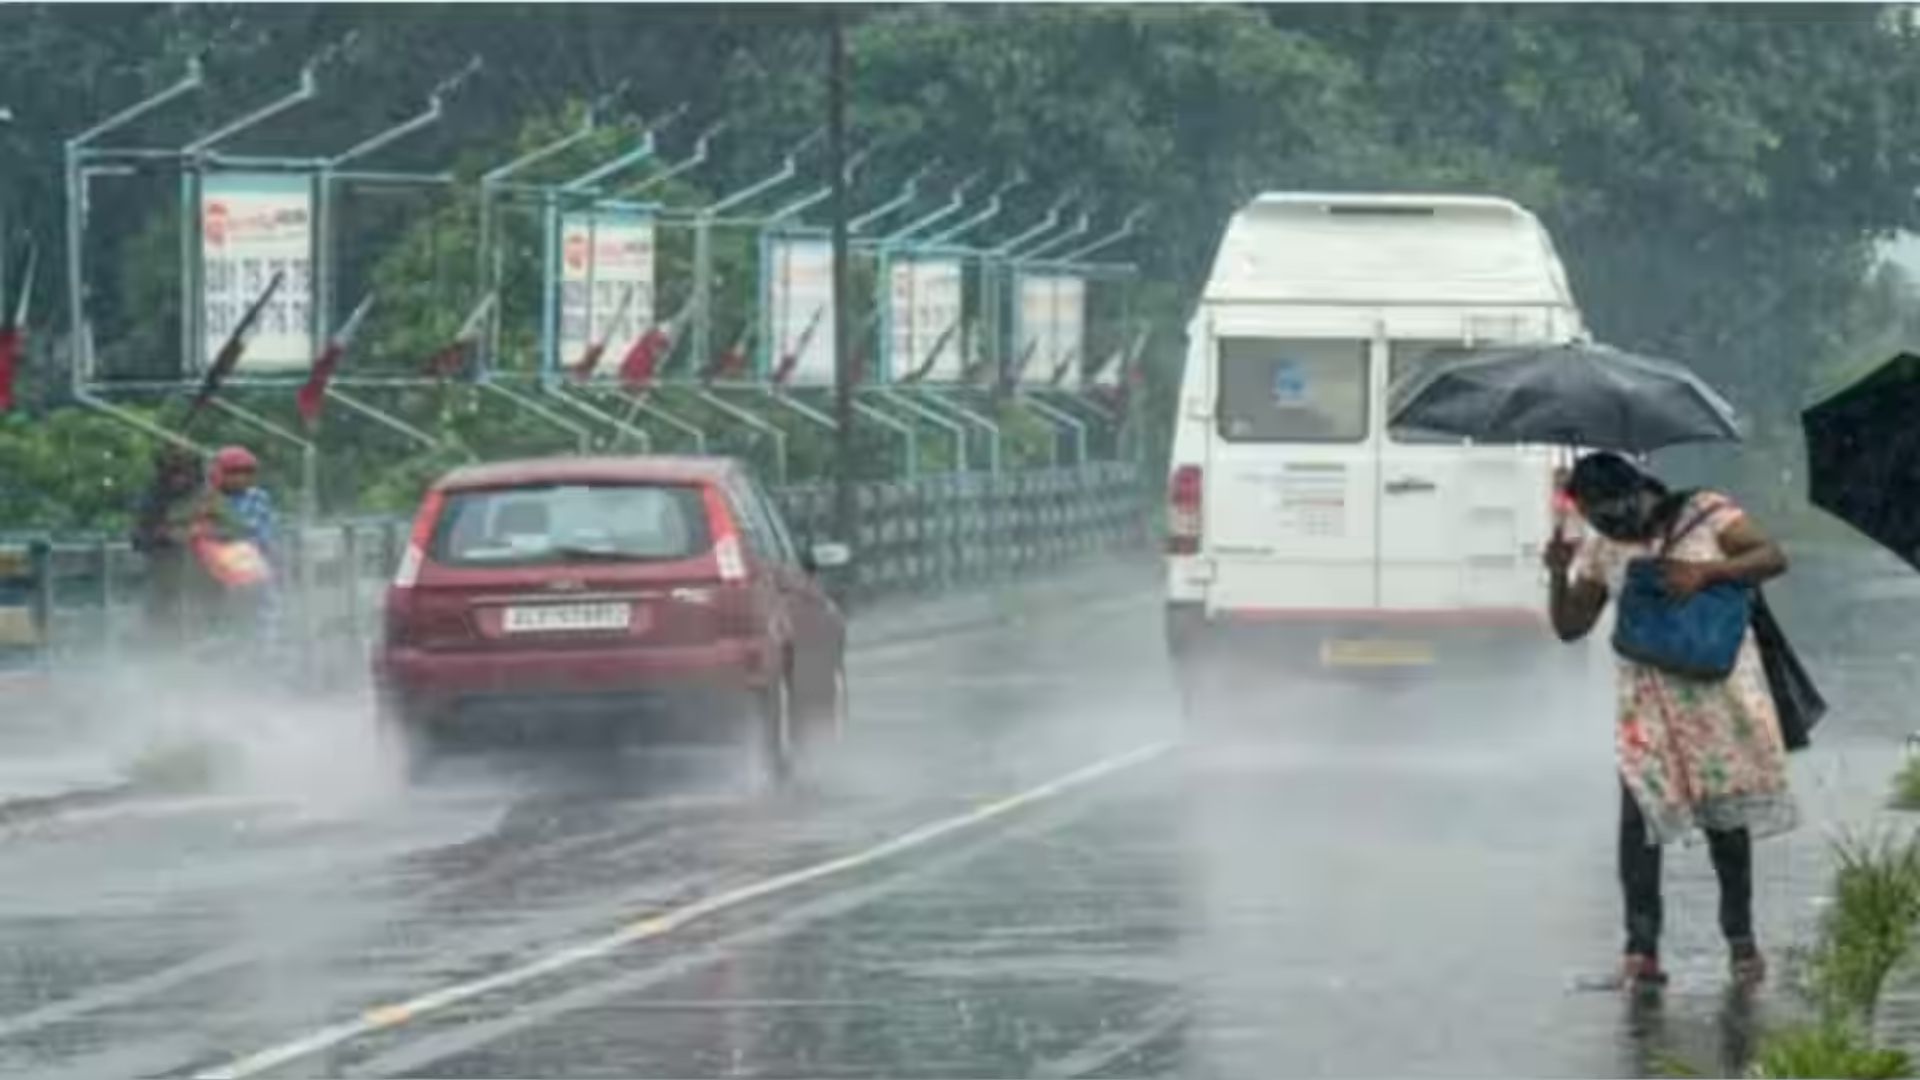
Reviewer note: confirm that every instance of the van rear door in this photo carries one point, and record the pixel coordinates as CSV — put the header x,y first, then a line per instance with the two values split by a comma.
x,y
1460,525
1291,474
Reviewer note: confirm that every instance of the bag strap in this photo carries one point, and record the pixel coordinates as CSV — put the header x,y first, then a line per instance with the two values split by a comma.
x,y
1674,536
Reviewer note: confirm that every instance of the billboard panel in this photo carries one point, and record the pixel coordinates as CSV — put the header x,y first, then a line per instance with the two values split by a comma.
x,y
923,317
252,226
606,282
800,308
1051,339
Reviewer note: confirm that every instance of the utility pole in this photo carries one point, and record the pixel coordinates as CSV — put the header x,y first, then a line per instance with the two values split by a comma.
x,y
843,371
6,249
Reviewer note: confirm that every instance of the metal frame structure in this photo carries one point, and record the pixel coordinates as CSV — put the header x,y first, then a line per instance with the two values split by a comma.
x,y
594,415
86,158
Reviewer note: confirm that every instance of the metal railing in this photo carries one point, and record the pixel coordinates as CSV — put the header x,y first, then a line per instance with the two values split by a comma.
x,y
71,599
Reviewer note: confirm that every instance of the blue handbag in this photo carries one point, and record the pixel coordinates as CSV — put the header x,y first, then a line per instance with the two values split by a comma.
x,y
1698,637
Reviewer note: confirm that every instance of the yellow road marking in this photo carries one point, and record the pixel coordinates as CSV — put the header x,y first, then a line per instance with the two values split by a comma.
x,y
388,1015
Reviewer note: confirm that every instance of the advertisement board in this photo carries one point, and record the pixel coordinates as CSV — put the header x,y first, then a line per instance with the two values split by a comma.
x,y
799,333
606,283
253,226
923,317
1050,341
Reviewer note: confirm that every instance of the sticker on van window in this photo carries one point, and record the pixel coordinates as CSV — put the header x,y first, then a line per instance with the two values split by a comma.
x,y
1289,383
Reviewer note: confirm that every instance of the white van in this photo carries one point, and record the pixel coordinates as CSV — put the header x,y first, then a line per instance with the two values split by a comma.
x,y
1291,500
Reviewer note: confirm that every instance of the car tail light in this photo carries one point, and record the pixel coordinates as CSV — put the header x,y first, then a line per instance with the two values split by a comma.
x,y
727,553
1183,511
416,553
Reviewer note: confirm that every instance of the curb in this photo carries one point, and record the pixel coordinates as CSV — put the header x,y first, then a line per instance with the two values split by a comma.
x,y
41,807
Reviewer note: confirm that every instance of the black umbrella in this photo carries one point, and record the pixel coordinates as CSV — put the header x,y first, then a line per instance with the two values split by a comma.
x,y
1577,394
1863,455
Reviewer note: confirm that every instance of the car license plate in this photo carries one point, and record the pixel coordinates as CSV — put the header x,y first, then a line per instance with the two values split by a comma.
x,y
551,618
1375,653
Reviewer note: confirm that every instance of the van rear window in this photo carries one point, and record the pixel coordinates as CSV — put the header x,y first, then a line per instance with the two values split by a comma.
x,y
571,523
1282,390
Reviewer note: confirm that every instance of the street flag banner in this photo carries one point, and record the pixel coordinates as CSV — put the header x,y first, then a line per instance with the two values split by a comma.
x,y
1020,365
732,362
457,356
935,353
1113,370
1061,368
255,227
1051,316
801,348
590,360
642,363
13,330
313,395
234,346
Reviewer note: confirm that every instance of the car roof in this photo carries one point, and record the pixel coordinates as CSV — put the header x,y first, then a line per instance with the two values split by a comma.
x,y
606,469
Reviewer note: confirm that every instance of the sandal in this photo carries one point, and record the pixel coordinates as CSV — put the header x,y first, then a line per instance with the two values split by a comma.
x,y
1641,971
1747,966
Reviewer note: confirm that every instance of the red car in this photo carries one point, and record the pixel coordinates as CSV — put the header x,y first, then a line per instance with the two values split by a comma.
x,y
660,592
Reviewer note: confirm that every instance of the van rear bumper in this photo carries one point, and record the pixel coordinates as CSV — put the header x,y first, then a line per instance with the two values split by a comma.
x,y
1330,638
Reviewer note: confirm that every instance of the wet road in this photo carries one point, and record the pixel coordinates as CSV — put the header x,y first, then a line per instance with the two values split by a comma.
x,y
1018,864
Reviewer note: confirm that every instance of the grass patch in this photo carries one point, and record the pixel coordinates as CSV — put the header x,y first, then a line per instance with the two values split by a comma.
x,y
1832,1049
1865,933
1869,928
1906,786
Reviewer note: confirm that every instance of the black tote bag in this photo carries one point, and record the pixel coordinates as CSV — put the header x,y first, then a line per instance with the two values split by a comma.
x,y
1795,697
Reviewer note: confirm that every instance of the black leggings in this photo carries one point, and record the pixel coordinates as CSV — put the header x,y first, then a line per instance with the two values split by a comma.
x,y
1732,853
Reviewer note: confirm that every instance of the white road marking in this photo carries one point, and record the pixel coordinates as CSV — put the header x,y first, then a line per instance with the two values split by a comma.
x,y
653,926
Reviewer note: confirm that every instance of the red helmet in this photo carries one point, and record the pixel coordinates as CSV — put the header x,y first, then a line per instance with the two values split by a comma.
x,y
232,458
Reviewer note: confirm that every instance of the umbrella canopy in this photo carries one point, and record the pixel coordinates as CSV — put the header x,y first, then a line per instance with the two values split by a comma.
x,y
1578,394
1863,455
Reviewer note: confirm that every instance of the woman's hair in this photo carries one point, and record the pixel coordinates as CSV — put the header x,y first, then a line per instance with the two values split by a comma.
x,y
1604,475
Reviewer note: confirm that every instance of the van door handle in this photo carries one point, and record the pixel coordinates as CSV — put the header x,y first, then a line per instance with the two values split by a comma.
x,y
1409,485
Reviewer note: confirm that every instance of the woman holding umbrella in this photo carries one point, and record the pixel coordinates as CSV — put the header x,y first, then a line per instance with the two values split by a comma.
x,y
1693,752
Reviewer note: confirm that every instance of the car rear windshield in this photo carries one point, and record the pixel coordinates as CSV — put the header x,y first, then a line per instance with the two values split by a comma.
x,y
1277,390
571,523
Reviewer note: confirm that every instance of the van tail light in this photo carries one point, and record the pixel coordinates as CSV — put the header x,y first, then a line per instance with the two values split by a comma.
x,y
416,553
727,554
1183,511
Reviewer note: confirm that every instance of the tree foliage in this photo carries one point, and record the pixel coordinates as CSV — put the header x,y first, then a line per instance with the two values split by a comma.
x,y
1717,178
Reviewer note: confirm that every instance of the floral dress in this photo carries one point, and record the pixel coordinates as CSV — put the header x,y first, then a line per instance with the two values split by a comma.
x,y
1694,753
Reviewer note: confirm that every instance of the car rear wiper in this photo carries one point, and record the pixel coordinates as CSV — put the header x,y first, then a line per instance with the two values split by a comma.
x,y
598,554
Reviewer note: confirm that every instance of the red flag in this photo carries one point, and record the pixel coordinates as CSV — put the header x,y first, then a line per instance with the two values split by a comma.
x,y
732,363
458,353
234,347
1060,369
590,359
791,360
933,355
643,359
12,344
646,358
314,394
13,332
1019,369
